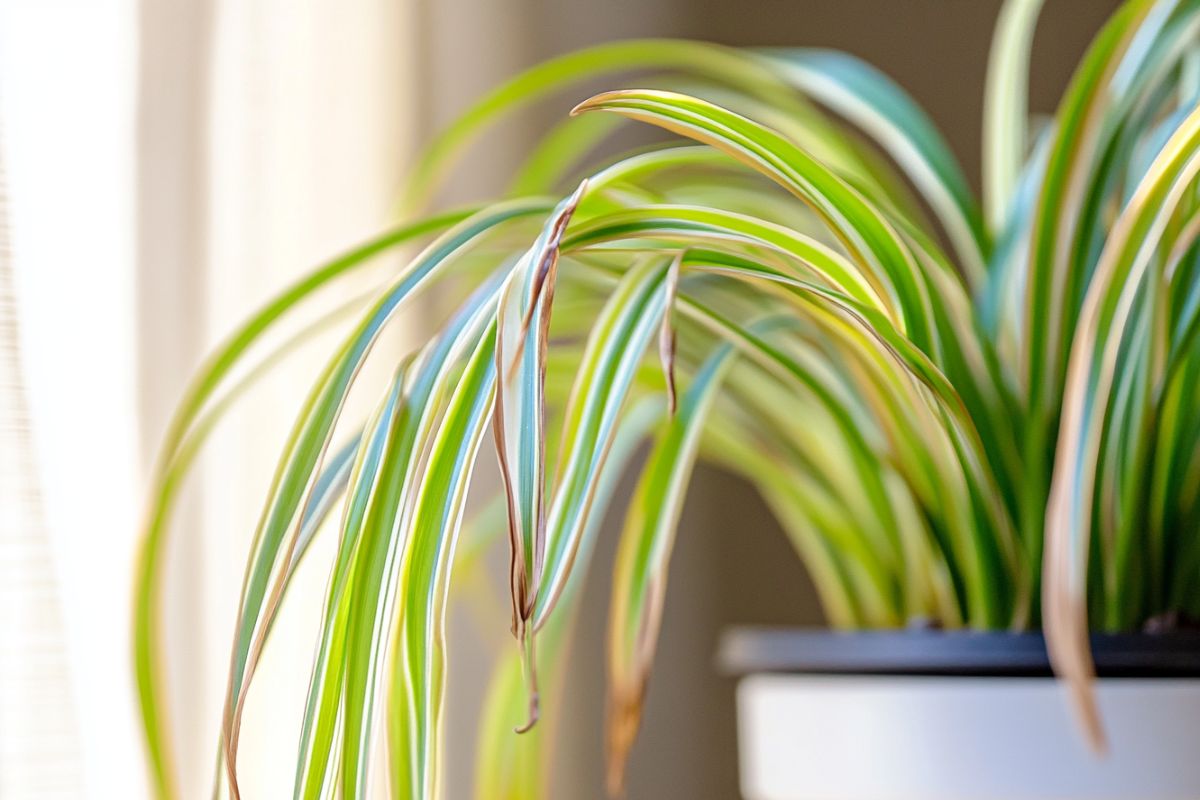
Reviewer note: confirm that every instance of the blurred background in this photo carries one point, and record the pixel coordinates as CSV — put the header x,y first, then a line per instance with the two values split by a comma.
x,y
165,165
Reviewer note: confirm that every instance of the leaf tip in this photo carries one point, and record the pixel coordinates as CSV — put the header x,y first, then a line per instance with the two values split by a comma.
x,y
1066,630
534,714
593,103
525,636
666,334
624,717
1083,697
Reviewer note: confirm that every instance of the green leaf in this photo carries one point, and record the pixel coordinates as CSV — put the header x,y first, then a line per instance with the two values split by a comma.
x,y
291,487
196,416
874,243
886,113
1051,272
639,582
419,673
328,672
1005,107
354,626
609,364
721,65
1091,374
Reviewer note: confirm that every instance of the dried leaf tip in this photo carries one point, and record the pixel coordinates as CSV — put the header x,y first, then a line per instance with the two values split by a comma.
x,y
1083,696
529,664
666,333
541,294
547,266
624,718
534,714
594,102
1066,630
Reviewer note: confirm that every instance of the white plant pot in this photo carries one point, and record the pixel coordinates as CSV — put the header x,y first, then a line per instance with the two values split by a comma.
x,y
813,734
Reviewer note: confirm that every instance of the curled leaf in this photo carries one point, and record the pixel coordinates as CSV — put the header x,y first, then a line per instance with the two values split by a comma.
x,y
666,334
522,331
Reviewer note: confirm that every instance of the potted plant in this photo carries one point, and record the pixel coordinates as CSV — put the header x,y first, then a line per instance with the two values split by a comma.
x,y
967,416
932,714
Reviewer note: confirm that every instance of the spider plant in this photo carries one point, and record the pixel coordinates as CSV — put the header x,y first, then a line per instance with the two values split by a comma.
x,y
980,413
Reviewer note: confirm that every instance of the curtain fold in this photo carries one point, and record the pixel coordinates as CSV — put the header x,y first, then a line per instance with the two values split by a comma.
x,y
68,509
273,136
39,746
173,163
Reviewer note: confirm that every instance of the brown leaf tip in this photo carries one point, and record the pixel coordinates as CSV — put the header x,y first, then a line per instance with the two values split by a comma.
x,y
624,719
594,102
534,714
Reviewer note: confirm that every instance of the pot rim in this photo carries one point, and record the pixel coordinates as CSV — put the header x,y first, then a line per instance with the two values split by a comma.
x,y
913,652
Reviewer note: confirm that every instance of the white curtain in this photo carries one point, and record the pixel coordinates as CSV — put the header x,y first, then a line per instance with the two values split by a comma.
x,y
39,748
310,126
171,164
66,104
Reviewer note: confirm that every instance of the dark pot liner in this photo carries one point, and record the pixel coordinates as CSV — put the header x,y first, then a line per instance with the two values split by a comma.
x,y
948,653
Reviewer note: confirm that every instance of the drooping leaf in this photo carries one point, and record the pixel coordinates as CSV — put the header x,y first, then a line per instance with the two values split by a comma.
x,y
512,767
885,112
424,574
522,332
291,486
607,368
643,557
175,456
1091,374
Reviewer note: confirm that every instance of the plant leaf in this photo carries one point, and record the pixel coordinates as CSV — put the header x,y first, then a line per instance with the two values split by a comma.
x,y
884,257
350,648
522,332
1005,107
193,419
639,581
1090,380
328,671
721,65
512,767
424,574
885,112
606,372
291,486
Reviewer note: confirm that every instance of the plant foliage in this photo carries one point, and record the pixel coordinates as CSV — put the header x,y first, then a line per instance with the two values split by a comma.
x,y
979,414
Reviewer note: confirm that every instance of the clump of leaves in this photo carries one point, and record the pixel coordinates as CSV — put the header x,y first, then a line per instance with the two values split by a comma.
x,y
978,414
